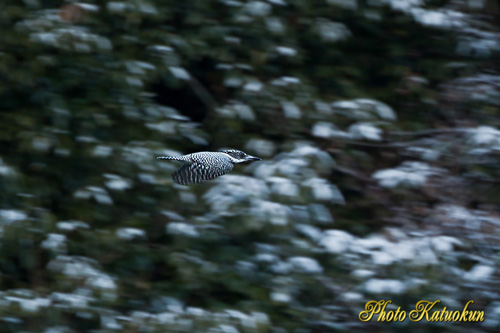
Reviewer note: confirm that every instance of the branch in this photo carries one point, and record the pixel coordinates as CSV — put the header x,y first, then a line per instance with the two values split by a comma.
x,y
202,93
353,174
432,131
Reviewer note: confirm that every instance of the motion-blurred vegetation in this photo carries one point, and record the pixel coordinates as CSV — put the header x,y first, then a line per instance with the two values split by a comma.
x,y
377,121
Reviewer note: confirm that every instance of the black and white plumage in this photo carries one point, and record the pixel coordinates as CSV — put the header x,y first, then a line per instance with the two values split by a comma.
x,y
206,165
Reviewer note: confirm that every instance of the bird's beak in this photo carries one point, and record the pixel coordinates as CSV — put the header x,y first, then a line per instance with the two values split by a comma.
x,y
253,158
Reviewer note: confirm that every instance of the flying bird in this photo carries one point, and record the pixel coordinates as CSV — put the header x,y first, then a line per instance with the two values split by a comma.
x,y
206,165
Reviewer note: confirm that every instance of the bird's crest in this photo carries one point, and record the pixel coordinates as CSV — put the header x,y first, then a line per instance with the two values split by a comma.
x,y
235,153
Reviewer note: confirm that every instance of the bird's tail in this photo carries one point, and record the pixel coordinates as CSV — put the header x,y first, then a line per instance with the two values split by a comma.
x,y
174,158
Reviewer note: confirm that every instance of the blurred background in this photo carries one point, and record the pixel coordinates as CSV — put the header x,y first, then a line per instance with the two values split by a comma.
x,y
377,121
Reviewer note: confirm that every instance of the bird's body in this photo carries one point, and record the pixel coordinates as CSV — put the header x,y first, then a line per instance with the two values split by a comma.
x,y
206,165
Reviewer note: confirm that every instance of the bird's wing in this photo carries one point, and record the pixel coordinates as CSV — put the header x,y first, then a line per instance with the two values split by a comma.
x,y
196,173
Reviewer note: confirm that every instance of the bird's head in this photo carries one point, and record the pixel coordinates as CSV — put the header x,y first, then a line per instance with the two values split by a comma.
x,y
237,156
